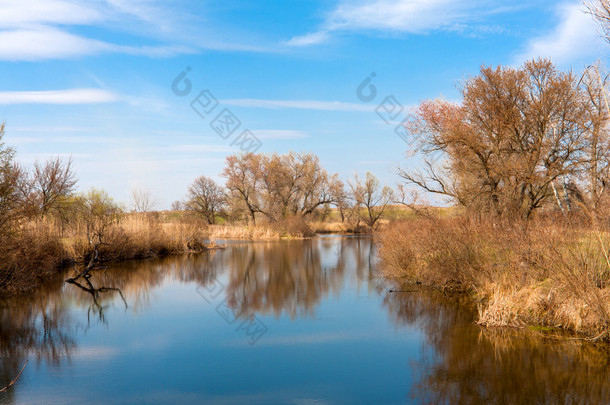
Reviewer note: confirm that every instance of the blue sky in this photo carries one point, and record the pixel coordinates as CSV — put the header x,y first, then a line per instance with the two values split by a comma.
x,y
93,79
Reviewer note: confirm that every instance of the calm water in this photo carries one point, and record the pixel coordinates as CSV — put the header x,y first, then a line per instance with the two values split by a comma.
x,y
286,322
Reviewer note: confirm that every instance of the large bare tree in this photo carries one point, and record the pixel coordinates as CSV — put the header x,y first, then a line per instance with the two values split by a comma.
x,y
244,181
516,132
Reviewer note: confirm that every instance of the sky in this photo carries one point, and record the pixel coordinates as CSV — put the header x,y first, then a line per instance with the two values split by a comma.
x,y
151,94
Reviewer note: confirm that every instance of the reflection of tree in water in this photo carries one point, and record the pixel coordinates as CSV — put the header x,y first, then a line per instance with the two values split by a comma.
x,y
44,327
287,276
136,279
97,306
473,365
37,327
293,276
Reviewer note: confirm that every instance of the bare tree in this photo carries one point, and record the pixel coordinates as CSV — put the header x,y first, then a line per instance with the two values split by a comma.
x,y
10,176
142,200
280,186
206,198
600,10
516,132
597,157
53,182
98,212
177,206
244,179
370,199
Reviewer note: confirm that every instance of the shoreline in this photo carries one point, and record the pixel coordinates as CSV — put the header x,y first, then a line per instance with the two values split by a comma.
x,y
548,276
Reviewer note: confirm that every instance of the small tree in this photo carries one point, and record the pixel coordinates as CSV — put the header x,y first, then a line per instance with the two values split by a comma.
x,y
98,212
370,199
142,200
53,182
10,176
206,198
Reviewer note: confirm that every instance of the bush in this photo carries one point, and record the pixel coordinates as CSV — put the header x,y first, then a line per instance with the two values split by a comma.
x,y
294,226
28,256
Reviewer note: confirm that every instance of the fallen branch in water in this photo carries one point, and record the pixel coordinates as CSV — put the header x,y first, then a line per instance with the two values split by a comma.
x,y
95,258
16,378
398,291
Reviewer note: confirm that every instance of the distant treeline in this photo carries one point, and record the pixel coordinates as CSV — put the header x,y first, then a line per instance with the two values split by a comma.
x,y
270,188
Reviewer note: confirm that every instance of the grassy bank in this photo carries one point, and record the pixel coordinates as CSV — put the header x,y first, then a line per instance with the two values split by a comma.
x,y
39,249
551,274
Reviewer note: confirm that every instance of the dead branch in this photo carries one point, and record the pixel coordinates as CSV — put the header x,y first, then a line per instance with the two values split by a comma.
x,y
16,378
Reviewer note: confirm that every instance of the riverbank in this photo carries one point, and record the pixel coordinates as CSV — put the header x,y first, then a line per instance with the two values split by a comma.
x,y
552,273
39,249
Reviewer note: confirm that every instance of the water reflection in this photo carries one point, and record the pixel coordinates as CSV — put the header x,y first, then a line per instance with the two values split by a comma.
x,y
472,365
290,277
39,328
456,362
294,279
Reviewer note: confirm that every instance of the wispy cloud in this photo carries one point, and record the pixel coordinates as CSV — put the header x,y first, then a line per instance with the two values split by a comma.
x,y
35,30
574,38
399,15
403,16
18,13
70,96
42,42
308,39
277,134
297,104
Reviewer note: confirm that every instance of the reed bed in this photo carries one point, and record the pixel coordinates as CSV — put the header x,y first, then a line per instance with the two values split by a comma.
x,y
549,273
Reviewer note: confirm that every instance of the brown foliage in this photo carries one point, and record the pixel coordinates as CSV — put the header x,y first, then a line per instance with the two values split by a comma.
x,y
553,272
279,186
516,132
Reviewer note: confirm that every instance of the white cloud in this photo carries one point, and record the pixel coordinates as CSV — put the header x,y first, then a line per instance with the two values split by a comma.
x,y
45,43
575,38
298,104
399,15
18,13
70,96
313,38
279,134
403,16
33,30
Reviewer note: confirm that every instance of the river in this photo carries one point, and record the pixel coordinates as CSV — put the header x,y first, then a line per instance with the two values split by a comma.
x,y
281,322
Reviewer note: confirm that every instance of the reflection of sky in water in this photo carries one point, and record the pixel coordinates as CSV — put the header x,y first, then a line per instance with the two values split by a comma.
x,y
331,336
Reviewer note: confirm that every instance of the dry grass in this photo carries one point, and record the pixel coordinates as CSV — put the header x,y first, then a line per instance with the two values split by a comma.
x,y
329,227
550,273
39,248
242,232
28,256
293,227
